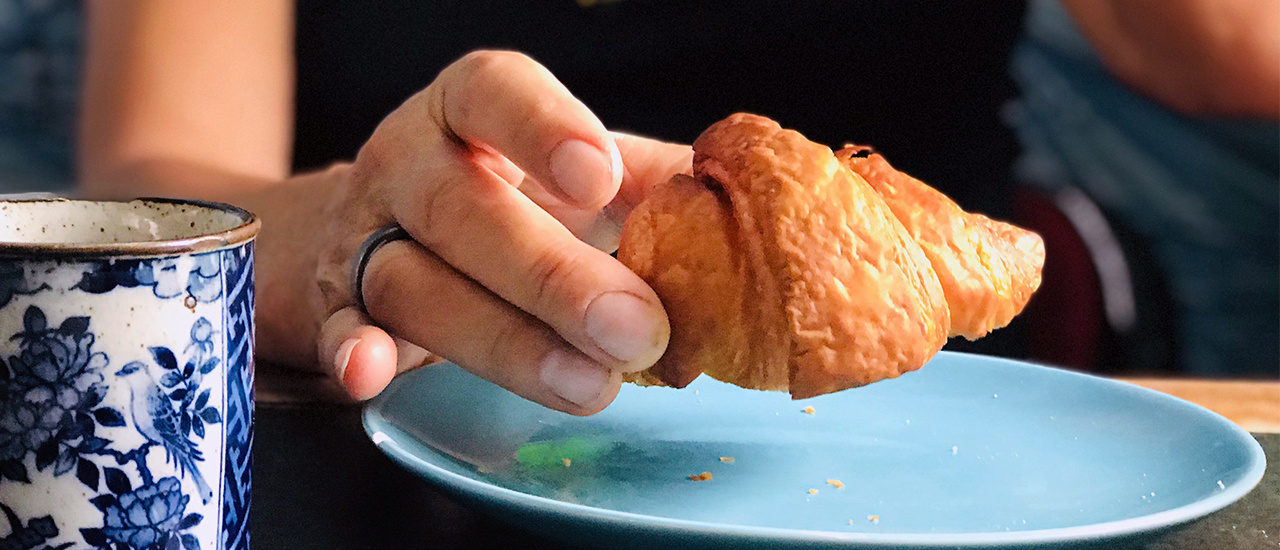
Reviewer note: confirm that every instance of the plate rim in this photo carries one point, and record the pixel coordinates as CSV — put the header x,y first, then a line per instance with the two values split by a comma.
x,y
378,428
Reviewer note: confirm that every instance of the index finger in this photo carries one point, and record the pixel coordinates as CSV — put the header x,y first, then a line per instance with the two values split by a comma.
x,y
509,102
646,162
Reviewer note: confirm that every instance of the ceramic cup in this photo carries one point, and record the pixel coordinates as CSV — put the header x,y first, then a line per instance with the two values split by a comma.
x,y
126,375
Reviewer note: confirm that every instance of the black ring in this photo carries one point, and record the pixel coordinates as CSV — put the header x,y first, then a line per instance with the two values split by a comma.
x,y
370,245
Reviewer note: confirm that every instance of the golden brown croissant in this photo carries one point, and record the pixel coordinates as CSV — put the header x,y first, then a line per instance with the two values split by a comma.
x,y
988,269
782,268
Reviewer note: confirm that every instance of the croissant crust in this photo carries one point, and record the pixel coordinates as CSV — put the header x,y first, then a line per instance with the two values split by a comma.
x,y
784,266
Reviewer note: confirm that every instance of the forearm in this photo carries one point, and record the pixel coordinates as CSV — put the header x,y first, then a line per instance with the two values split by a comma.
x,y
1214,57
185,82
184,99
289,305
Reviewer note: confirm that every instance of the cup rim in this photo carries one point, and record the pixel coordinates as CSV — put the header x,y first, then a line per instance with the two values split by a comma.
x,y
243,233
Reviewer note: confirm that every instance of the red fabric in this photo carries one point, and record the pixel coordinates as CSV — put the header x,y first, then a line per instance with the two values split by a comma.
x,y
1065,319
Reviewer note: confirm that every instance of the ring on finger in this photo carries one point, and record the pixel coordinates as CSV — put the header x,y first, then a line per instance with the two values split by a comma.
x,y
370,245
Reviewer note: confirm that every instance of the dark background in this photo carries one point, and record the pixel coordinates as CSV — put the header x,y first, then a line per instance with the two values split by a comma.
x,y
923,82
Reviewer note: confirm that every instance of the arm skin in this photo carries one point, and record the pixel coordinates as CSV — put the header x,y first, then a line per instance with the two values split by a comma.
x,y
1199,57
512,190
182,99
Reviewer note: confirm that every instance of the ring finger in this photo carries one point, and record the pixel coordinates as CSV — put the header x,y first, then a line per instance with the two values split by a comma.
x,y
415,295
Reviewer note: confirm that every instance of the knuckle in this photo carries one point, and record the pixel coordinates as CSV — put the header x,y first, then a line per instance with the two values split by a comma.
x,y
332,280
372,163
508,344
478,71
500,339
477,79
490,62
536,121
431,201
441,205
552,272
472,72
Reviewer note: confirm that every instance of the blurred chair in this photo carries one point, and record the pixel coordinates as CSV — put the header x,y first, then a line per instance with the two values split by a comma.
x,y
1103,305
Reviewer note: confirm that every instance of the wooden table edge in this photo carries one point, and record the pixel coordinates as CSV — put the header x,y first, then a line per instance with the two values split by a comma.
x,y
1252,404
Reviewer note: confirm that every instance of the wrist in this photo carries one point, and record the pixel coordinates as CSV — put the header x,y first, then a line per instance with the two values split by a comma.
x,y
297,220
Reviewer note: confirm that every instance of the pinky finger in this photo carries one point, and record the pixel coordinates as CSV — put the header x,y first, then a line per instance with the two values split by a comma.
x,y
364,358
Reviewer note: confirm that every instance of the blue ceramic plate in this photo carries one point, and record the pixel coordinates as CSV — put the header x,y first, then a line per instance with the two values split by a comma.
x,y
969,451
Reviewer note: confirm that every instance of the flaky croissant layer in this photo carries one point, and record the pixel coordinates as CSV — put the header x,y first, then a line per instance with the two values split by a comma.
x,y
784,266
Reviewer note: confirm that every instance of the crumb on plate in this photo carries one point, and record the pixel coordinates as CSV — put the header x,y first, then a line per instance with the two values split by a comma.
x,y
566,462
809,410
835,483
873,519
813,491
726,459
704,476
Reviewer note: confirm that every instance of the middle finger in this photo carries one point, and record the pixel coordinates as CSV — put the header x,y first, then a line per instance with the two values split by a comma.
x,y
486,229
469,325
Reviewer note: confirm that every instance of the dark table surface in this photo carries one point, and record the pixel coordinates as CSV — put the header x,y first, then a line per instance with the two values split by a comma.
x,y
319,483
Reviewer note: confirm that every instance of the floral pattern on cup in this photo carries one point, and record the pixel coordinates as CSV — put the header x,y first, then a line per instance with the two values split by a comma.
x,y
50,407
148,516
49,396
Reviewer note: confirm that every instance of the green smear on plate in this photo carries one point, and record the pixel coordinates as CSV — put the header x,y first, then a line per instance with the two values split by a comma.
x,y
542,454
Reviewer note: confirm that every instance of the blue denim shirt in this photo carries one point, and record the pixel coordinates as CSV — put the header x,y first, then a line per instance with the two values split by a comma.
x,y
40,45
1204,192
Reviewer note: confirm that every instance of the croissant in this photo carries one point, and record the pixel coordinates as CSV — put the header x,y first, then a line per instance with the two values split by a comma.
x,y
784,266
988,269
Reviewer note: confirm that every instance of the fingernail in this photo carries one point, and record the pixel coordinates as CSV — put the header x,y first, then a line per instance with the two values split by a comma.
x,y
343,357
574,377
615,165
623,325
582,171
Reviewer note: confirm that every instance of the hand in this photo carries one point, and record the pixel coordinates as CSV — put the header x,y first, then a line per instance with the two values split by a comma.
x,y
512,192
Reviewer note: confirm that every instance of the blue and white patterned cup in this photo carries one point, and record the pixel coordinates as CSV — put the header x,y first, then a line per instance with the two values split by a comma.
x,y
126,375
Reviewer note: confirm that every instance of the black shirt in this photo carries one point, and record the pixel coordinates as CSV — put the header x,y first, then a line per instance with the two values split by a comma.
x,y
921,81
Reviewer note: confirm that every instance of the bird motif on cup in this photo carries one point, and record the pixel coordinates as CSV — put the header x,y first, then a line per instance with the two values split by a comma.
x,y
156,419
